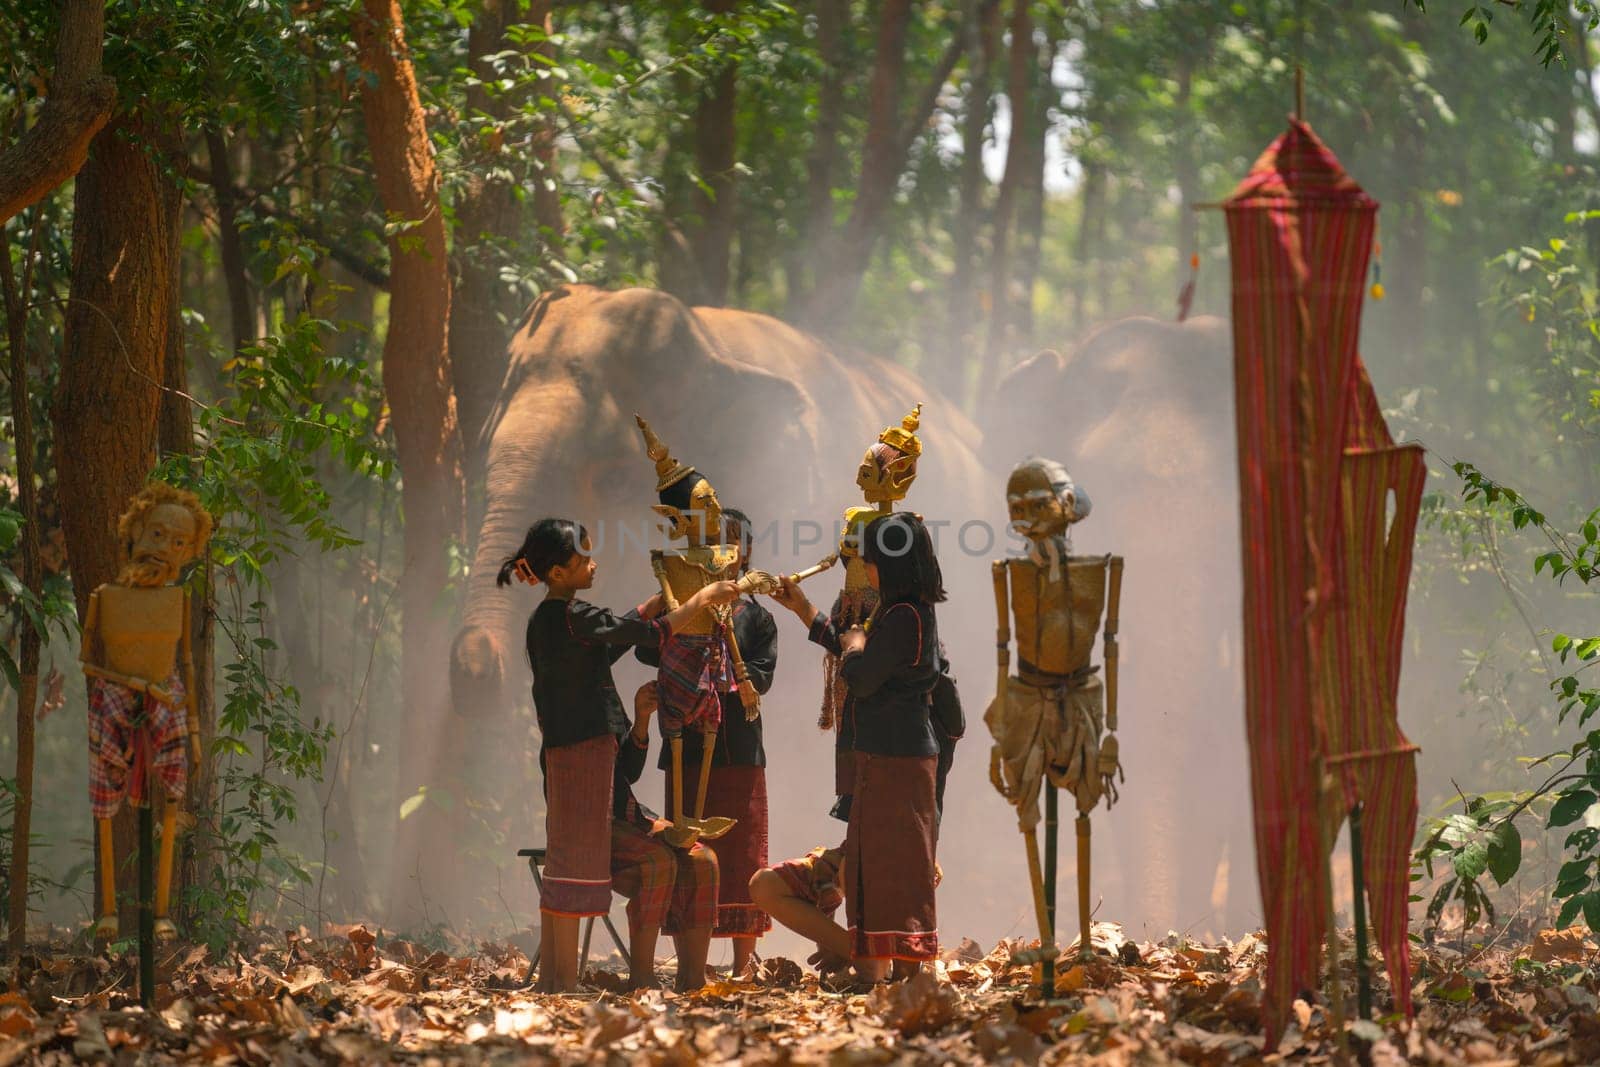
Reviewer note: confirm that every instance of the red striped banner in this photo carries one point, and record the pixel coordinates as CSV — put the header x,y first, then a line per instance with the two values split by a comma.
x,y
1319,574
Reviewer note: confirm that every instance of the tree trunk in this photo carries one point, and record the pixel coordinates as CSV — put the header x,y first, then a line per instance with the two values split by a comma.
x,y
115,337
241,312
1030,214
417,383
843,263
713,201
833,19
1021,156
1090,207
963,302
1185,166
489,216
32,579
78,106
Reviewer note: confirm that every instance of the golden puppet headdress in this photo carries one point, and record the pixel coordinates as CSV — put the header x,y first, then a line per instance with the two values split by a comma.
x,y
669,472
890,466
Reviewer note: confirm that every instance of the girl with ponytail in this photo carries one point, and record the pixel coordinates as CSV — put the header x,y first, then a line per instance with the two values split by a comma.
x,y
571,647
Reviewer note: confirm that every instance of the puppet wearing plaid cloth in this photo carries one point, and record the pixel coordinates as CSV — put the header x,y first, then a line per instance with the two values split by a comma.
x,y
115,712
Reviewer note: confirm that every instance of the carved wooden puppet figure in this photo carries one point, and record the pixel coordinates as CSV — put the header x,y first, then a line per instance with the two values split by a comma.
x,y
700,661
140,672
1053,721
887,470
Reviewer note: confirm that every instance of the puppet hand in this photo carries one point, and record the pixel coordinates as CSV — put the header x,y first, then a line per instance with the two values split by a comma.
x,y
1110,768
997,776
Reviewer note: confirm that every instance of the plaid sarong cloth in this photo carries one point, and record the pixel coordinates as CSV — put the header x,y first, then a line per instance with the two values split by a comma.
x,y
739,793
889,849
814,878
696,670
115,735
669,888
577,865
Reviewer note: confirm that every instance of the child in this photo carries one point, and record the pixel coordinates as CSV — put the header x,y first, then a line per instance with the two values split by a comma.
x,y
738,784
571,647
669,888
890,669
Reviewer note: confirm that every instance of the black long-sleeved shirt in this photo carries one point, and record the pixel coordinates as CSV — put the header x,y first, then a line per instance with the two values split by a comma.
x,y
739,741
888,682
571,647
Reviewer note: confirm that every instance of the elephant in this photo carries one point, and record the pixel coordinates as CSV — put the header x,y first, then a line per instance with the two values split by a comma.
x,y
775,419
1141,414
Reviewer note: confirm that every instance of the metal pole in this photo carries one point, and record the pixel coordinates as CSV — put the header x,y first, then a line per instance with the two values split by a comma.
x,y
1363,983
1047,968
147,892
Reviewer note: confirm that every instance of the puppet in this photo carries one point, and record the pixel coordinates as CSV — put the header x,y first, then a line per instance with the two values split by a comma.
x,y
143,726
887,470
1053,721
701,661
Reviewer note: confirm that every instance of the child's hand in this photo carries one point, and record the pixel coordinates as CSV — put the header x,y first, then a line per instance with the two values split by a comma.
x,y
658,825
646,702
652,607
721,593
853,639
790,596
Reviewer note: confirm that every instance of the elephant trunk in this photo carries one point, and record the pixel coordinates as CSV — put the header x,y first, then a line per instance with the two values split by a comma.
x,y
523,484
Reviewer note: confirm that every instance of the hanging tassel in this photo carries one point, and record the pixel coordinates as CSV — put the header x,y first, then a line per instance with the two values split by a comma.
x,y
1186,294
1377,270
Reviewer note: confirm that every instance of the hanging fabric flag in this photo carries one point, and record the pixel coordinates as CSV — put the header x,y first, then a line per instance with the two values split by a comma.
x,y
1301,231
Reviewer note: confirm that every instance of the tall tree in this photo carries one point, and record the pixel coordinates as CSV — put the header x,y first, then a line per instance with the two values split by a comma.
x,y
892,129
416,382
713,205
79,104
491,216
1024,172
115,336
977,112
32,578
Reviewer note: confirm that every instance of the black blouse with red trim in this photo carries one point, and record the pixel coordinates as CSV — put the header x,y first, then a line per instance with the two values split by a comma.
x,y
888,681
571,647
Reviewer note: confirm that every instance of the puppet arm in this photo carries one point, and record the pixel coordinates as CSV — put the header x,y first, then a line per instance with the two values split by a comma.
x,y
1110,766
1002,643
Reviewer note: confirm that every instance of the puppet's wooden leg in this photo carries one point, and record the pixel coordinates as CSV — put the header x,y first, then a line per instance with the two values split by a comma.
x,y
1030,839
1085,942
709,746
165,931
677,780
105,929
1050,823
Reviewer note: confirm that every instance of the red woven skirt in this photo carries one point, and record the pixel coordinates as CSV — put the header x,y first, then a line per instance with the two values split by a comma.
x,y
738,793
577,826
889,858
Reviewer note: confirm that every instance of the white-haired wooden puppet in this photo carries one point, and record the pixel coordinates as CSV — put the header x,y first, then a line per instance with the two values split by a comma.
x,y
1053,721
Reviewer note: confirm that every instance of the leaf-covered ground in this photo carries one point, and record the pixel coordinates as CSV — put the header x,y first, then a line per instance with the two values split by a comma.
x,y
357,998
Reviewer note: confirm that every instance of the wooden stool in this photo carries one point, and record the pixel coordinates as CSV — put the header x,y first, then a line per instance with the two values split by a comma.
x,y
535,861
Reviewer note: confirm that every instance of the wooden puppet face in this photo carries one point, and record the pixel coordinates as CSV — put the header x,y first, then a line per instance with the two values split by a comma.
x,y
700,523
164,543
1036,509
885,474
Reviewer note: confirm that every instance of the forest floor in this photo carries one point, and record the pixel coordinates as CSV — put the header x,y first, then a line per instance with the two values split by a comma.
x,y
354,997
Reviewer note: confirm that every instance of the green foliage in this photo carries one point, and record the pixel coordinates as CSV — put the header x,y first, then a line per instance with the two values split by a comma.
x,y
1553,22
290,402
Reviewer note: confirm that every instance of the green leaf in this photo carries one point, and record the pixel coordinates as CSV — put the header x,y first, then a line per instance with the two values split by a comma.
x,y
1569,911
1471,861
1505,852
1570,807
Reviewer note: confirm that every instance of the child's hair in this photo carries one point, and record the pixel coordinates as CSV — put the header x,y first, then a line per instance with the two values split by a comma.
x,y
736,530
900,546
549,544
